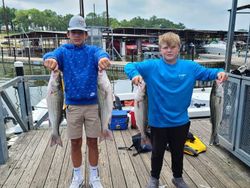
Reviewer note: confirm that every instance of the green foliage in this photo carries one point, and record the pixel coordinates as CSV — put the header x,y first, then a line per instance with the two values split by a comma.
x,y
93,19
34,19
10,15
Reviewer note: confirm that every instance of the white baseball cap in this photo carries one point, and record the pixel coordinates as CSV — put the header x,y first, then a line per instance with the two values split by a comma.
x,y
77,23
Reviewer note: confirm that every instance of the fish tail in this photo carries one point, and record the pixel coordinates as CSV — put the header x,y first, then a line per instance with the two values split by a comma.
x,y
106,135
56,140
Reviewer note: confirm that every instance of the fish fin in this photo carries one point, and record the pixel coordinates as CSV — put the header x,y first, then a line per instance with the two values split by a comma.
x,y
56,140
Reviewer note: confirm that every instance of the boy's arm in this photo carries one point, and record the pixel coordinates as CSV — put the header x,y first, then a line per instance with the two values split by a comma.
x,y
206,74
135,71
131,70
53,60
102,58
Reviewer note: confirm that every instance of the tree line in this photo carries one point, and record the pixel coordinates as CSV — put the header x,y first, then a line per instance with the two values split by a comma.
x,y
33,19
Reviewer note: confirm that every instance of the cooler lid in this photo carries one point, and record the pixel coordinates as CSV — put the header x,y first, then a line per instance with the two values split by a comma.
x,y
119,113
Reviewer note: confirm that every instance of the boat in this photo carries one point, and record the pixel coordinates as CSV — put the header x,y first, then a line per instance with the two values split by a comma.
x,y
217,47
199,106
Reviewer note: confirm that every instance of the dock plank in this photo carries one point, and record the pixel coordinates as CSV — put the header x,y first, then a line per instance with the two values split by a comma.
x,y
15,153
224,160
141,171
56,165
166,172
66,171
193,173
104,166
128,169
219,167
167,160
33,163
44,167
23,162
117,175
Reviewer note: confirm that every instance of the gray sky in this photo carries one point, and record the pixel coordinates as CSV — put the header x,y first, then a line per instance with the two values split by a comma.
x,y
194,14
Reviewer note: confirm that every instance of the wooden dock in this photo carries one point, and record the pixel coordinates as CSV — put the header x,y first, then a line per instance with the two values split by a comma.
x,y
33,163
236,61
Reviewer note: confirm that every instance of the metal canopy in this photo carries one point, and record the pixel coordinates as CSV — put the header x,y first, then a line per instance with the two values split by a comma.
x,y
233,12
242,7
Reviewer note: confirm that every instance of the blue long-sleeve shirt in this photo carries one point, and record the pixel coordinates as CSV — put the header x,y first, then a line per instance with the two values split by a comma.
x,y
169,88
79,65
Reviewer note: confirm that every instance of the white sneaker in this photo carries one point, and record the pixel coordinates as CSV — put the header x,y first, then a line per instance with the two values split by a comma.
x,y
76,182
95,182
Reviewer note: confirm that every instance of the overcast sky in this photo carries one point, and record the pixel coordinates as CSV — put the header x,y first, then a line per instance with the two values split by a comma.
x,y
194,14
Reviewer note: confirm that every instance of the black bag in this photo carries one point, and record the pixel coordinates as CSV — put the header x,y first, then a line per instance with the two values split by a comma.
x,y
193,145
190,137
136,143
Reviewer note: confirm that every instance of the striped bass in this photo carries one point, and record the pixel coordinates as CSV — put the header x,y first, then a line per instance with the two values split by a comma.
x,y
105,98
55,99
216,111
141,111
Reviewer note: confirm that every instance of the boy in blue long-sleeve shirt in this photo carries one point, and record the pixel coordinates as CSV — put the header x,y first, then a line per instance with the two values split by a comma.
x,y
80,64
170,83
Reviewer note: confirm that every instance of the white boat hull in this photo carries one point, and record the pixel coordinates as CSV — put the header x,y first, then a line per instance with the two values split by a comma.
x,y
199,106
217,47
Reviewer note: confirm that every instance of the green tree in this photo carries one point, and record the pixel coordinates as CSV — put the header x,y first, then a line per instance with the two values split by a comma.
x,y
152,22
49,20
10,16
93,19
21,20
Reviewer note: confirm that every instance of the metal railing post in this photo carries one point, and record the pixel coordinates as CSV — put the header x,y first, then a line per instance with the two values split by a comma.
x,y
3,142
24,97
230,35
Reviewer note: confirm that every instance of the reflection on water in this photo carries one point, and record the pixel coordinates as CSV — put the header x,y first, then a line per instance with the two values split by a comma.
x,y
7,70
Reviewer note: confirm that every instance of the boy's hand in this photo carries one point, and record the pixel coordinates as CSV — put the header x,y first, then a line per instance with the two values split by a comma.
x,y
51,64
103,63
137,80
222,76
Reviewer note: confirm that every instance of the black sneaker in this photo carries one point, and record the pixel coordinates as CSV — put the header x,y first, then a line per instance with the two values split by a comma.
x,y
153,183
179,183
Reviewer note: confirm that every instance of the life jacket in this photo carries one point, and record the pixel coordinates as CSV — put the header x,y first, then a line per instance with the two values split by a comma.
x,y
193,145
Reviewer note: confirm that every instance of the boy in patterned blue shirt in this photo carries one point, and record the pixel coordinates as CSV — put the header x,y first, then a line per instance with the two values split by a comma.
x,y
80,64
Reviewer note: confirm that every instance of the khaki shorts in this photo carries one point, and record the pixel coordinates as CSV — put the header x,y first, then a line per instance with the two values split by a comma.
x,y
83,115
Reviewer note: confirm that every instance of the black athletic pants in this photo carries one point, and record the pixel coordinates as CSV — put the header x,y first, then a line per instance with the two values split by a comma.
x,y
176,137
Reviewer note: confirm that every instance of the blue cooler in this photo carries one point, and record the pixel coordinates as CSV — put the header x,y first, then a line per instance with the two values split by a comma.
x,y
119,120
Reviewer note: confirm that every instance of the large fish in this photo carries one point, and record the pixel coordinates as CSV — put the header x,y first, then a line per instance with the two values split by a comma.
x,y
55,99
141,111
105,98
216,110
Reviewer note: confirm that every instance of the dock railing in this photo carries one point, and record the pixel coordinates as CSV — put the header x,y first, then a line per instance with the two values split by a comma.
x,y
24,115
234,131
